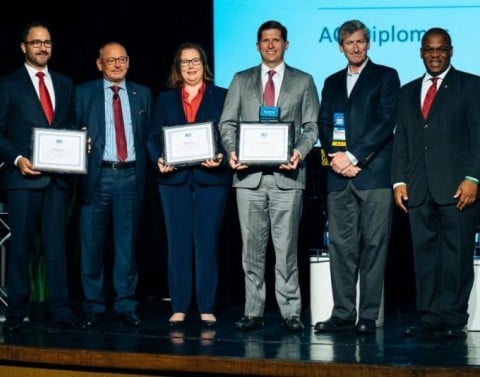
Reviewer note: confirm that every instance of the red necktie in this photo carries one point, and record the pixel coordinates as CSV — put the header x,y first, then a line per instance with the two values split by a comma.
x,y
45,97
427,102
269,93
119,126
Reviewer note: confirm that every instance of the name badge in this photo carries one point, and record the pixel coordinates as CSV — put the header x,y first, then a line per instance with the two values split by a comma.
x,y
339,138
269,113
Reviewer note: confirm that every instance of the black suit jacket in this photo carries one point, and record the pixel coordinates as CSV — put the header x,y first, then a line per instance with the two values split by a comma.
x,y
435,155
20,112
369,123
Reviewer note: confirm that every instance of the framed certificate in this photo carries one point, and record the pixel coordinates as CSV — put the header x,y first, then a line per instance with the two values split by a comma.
x,y
265,143
59,150
189,144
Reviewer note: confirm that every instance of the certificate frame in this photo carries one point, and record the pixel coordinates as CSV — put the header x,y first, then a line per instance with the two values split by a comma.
x,y
265,143
59,150
188,144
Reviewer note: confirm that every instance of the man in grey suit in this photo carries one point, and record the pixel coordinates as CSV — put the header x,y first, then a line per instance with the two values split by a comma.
x,y
269,200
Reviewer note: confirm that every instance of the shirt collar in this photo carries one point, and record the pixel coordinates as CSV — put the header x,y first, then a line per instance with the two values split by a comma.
x,y
108,84
359,70
441,76
279,69
32,71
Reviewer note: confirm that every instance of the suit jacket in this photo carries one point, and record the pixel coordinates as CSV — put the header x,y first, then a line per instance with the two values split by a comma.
x,y
20,112
369,114
168,111
90,112
298,102
435,155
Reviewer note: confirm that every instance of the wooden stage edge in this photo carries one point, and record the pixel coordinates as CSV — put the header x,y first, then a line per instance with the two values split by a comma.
x,y
17,361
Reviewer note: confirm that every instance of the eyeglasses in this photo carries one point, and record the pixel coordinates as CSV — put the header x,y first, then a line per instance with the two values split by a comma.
x,y
38,43
115,61
187,62
439,50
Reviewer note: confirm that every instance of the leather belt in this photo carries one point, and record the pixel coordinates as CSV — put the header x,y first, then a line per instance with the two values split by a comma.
x,y
268,171
118,165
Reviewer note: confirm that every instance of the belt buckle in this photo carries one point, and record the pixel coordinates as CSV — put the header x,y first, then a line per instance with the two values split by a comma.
x,y
115,164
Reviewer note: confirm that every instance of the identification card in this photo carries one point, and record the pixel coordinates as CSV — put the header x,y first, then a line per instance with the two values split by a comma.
x,y
339,139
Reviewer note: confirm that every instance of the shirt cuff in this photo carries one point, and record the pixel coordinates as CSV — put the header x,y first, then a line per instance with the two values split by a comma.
x,y
471,179
352,158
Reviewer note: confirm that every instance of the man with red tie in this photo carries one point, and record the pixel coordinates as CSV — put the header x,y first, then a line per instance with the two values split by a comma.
x,y
34,96
116,114
435,172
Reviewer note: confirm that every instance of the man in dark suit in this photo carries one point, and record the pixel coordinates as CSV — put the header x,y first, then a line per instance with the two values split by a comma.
x,y
34,198
113,189
435,172
269,200
356,122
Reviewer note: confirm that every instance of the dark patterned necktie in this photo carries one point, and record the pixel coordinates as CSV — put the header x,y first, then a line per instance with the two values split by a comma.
x,y
119,126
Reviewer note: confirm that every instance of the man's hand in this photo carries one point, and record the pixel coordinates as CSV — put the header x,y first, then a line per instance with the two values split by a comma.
x,y
339,161
234,164
466,194
26,167
400,196
293,163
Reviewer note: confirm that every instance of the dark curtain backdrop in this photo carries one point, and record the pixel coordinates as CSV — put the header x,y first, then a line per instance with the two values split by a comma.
x,y
151,32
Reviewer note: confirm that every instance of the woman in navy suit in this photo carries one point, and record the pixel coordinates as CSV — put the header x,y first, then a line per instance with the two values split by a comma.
x,y
193,197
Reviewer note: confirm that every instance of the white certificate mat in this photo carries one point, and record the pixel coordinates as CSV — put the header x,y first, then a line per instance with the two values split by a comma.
x,y
59,150
189,144
264,143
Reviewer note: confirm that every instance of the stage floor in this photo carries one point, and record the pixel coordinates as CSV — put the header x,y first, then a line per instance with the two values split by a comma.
x,y
387,348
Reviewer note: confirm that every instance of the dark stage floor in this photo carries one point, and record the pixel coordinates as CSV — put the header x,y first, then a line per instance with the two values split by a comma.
x,y
388,347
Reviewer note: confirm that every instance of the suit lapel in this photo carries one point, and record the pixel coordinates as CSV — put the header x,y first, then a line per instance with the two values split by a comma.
x,y
442,92
286,87
98,103
257,83
134,106
32,95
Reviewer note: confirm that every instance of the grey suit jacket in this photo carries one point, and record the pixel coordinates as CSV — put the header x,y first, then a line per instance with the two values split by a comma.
x,y
298,102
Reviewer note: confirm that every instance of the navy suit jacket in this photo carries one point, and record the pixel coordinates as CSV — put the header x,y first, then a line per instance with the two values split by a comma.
x,y
20,112
168,111
435,155
369,123
90,112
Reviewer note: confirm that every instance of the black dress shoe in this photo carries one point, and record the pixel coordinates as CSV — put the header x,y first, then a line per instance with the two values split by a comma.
x,y
249,323
208,323
334,324
12,325
366,326
454,333
292,324
423,329
176,323
90,320
129,319
67,323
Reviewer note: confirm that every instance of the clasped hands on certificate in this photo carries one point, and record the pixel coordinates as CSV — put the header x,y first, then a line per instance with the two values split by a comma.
x,y
208,163
292,165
